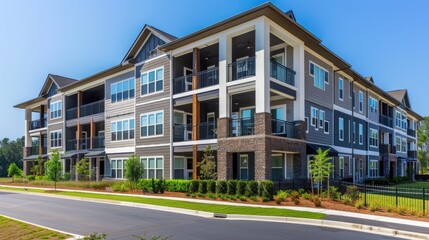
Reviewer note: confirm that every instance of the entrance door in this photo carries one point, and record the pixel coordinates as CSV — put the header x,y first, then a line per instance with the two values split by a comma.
x,y
244,166
188,80
189,168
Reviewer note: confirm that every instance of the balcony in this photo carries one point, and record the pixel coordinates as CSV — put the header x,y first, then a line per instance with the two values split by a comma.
x,y
71,113
35,150
286,129
387,121
282,73
72,144
241,69
36,124
387,149
92,108
411,132
183,132
242,127
98,142
412,154
182,84
206,78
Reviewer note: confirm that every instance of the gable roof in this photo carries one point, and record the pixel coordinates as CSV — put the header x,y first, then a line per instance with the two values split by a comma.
x,y
59,81
402,96
141,38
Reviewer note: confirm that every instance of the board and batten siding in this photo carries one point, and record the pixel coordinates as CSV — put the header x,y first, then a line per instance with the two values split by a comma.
x,y
163,151
312,93
118,111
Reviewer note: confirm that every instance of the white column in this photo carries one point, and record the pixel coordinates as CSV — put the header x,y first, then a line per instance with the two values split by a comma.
x,y
262,62
224,59
27,127
298,66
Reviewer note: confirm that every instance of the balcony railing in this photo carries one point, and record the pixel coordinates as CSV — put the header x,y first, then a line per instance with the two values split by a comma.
x,y
36,124
387,121
183,132
242,127
207,130
182,84
92,108
35,150
72,144
71,113
241,69
208,77
285,129
411,132
282,73
387,149
412,154
98,142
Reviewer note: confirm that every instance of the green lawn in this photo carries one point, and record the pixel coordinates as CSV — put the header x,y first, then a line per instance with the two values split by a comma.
x,y
415,185
11,229
214,208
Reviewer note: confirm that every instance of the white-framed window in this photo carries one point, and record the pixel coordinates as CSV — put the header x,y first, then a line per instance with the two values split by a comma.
x,y
244,166
56,138
321,76
152,81
360,101
321,118
307,124
341,129
373,105
122,130
399,118
117,168
354,132
123,90
398,144
341,166
360,134
55,109
326,127
404,122
314,117
153,167
373,137
152,124
404,145
373,168
277,167
341,89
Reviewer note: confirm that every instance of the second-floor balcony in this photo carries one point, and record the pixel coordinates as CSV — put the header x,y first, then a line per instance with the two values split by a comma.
x,y
86,110
242,127
183,132
386,120
85,143
241,69
35,150
411,132
282,73
206,78
285,129
36,124
387,149
412,154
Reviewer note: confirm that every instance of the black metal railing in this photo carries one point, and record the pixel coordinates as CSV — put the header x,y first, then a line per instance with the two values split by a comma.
x,y
412,154
282,73
386,120
98,142
71,113
241,69
208,77
182,132
285,129
182,84
35,150
72,144
92,108
36,124
411,132
241,127
207,130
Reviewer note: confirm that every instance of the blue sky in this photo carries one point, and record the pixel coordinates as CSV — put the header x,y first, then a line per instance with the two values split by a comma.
x,y
386,39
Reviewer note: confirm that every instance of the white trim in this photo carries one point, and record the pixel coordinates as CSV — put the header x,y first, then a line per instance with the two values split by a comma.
x,y
153,101
360,94
122,120
197,142
349,112
150,59
147,73
154,145
50,109
196,91
147,114
339,129
340,89
155,168
120,150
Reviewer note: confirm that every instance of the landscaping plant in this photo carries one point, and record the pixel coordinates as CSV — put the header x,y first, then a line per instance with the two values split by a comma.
x,y
207,165
320,170
54,168
232,187
14,171
241,187
252,188
134,170
221,187
83,171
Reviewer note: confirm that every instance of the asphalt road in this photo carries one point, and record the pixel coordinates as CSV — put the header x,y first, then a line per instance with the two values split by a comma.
x,y
122,222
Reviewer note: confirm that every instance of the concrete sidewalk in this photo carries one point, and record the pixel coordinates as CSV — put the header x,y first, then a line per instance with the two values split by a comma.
x,y
333,215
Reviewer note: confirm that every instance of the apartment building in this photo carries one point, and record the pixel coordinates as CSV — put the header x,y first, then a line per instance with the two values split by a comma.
x,y
258,88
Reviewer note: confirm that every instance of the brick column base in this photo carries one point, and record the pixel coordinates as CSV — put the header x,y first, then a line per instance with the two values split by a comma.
x,y
263,123
224,165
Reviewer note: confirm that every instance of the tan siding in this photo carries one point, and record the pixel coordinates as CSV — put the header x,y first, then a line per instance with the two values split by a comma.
x,y
56,99
53,128
157,151
154,107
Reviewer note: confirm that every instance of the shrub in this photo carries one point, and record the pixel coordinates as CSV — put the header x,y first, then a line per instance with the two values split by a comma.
x,y
375,206
31,178
193,195
233,197
390,208
401,210
201,195
154,186
307,196
294,195
413,212
253,198
145,184
95,236
187,194
177,185
421,214
211,195
161,185
278,200
232,187
377,181
202,187
317,201
265,199
333,193
353,193
243,198
66,176
301,191
359,204
211,186
221,187
296,201
347,200
222,196
252,188
193,187
281,195
266,189
241,188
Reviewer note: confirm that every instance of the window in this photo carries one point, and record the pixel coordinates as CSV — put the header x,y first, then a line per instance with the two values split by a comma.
x,y
152,81
399,119
152,124
398,144
118,168
404,145
326,128
360,134
244,165
351,89
373,137
373,168
321,118
341,89
341,167
360,101
373,105
277,167
314,117
179,167
56,139
341,129
307,125
154,167
404,122
55,109
354,132
123,130
321,76
123,90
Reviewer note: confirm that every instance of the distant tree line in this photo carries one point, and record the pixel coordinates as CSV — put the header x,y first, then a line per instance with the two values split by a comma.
x,y
10,152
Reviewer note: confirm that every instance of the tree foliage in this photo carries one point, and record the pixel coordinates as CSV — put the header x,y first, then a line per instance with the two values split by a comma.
x,y
207,165
54,168
83,171
13,170
133,169
320,169
422,145
10,152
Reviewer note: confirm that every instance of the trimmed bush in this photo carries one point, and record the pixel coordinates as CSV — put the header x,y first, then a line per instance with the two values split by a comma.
x,y
266,189
307,196
317,201
281,195
353,193
160,185
193,187
211,186
31,178
203,187
375,206
177,185
241,188
221,187
232,187
252,188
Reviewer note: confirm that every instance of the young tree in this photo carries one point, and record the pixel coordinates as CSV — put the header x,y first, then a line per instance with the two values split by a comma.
x,y
13,171
423,144
54,168
320,169
207,165
82,168
133,170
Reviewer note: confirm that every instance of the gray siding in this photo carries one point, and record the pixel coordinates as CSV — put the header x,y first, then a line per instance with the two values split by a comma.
x,y
314,134
157,151
348,131
373,116
313,94
347,98
356,89
373,126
